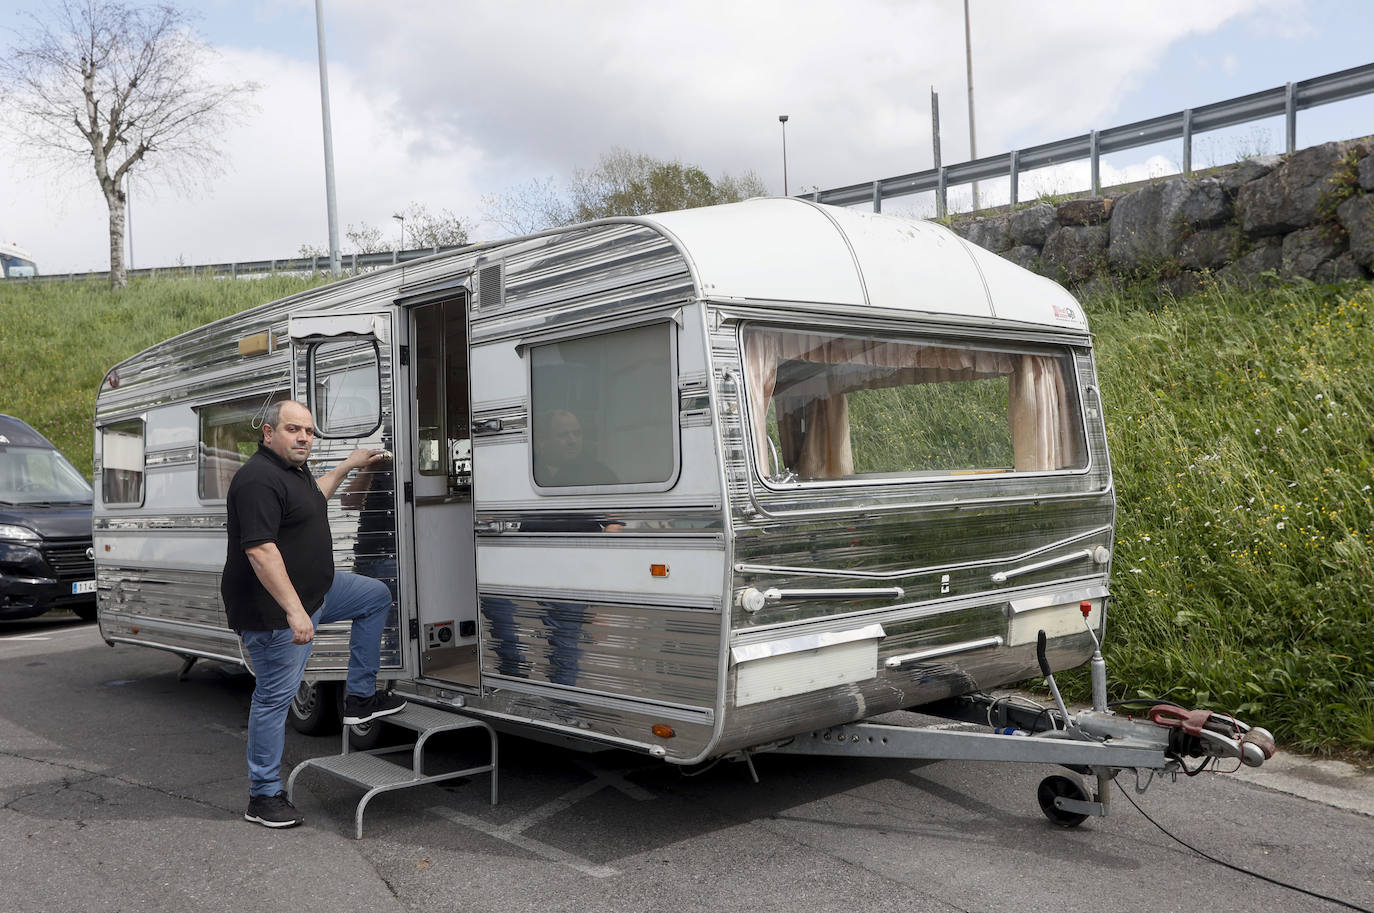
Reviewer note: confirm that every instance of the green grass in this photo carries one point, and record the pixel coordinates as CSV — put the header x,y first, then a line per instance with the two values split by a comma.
x,y
1242,434
57,340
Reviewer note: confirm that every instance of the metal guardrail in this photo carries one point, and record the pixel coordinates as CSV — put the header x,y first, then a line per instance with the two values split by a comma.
x,y
350,262
1286,100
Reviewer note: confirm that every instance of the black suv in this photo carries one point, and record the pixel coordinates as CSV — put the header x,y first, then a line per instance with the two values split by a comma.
x,y
46,558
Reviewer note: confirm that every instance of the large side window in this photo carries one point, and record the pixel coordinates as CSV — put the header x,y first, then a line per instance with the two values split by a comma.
x,y
603,409
229,435
828,406
121,461
345,387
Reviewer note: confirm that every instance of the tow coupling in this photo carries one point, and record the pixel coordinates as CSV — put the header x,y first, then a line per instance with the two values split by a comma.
x,y
1098,742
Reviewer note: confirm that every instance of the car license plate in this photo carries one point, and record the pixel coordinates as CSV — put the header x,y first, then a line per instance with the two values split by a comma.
x,y
83,586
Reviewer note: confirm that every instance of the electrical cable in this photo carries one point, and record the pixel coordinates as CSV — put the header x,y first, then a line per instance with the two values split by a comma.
x,y
1236,868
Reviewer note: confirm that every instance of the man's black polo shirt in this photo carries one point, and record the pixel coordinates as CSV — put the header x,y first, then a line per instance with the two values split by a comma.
x,y
272,501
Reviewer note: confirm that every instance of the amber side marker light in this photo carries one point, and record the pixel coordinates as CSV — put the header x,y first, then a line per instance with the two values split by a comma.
x,y
663,731
658,570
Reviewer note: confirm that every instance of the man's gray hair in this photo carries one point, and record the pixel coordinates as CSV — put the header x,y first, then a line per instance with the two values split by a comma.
x,y
273,414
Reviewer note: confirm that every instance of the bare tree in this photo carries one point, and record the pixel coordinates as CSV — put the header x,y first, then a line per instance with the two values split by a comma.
x,y
527,208
117,86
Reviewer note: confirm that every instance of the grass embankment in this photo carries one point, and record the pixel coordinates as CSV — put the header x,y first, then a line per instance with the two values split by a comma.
x,y
1242,434
57,340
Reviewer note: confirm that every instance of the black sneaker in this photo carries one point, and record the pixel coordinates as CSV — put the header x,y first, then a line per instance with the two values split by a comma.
x,y
272,811
363,709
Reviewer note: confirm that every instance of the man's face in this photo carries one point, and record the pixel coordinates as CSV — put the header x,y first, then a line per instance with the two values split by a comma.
x,y
293,435
565,434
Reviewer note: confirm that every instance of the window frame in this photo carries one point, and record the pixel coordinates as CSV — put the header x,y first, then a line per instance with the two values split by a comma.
x,y
672,327
1062,351
322,433
260,409
111,427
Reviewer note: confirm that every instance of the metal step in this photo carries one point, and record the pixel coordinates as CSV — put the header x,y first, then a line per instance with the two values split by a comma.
x,y
377,774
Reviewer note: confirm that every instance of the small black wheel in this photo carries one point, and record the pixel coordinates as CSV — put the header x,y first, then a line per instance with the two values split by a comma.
x,y
315,708
1051,788
85,612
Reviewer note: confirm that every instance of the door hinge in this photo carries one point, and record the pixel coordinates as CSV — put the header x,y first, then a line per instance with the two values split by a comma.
x,y
414,629
404,352
409,492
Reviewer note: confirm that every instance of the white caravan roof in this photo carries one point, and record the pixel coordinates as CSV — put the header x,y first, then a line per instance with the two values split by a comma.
x,y
788,249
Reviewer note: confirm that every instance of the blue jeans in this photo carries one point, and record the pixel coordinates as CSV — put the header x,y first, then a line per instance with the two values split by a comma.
x,y
279,665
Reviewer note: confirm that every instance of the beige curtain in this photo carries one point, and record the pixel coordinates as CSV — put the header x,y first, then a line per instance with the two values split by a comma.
x,y
814,429
1039,411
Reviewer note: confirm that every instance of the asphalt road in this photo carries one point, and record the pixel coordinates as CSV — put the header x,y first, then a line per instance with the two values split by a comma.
x,y
122,789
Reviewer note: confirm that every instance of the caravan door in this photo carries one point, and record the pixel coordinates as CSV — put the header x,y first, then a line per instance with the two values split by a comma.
x,y
342,369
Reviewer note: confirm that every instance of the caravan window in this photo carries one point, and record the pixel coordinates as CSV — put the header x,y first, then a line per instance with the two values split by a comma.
x,y
828,406
121,462
229,435
604,410
345,387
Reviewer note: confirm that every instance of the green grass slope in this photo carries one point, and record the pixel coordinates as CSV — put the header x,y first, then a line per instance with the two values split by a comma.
x,y
1242,434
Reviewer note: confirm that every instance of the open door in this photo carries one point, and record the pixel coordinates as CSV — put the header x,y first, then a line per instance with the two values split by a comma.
x,y
440,474
342,370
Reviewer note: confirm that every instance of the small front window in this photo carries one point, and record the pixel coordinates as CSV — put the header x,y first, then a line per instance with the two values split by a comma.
x,y
121,462
839,407
345,387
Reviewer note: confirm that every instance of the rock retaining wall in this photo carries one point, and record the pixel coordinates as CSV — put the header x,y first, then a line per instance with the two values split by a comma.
x,y
1308,215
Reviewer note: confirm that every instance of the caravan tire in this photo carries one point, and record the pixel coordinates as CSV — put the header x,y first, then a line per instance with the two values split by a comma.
x,y
315,710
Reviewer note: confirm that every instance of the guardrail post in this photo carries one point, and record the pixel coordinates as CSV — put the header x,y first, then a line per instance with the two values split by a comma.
x,y
877,196
1011,174
941,203
1093,158
1187,142
1290,115
355,262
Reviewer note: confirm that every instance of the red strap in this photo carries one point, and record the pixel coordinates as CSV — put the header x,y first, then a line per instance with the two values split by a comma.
x,y
1190,721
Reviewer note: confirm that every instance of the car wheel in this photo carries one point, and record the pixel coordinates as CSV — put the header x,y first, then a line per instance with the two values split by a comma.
x,y
85,612
315,708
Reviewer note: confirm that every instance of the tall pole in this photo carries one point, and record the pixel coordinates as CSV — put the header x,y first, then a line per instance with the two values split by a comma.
x,y
782,119
129,217
330,203
968,60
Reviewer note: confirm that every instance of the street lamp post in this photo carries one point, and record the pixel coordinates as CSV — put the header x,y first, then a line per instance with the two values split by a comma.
x,y
331,206
402,219
782,119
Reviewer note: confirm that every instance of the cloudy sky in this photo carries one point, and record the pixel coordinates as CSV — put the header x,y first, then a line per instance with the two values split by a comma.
x,y
443,102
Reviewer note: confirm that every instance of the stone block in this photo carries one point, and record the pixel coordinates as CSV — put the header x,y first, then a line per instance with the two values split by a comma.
x,y
1074,252
1306,252
1033,225
990,233
1085,211
1024,256
1233,177
1287,198
1357,215
1207,248
1366,172
1266,256
1147,222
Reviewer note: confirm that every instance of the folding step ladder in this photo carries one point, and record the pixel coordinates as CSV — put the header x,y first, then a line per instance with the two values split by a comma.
x,y
377,774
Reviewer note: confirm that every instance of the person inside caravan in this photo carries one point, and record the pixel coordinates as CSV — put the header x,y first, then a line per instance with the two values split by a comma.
x,y
560,455
279,583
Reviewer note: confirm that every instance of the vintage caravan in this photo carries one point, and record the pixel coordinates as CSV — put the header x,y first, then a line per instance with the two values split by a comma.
x,y
694,484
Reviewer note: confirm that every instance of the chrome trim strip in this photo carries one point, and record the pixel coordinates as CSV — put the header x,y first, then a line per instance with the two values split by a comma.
x,y
1004,576
946,650
774,596
801,642
617,598
597,699
1031,603
914,571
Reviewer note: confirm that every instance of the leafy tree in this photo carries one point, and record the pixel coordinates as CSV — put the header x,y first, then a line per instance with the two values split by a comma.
x,y
118,87
425,229
623,183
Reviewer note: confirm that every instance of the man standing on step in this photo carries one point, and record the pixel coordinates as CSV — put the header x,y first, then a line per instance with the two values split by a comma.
x,y
279,583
